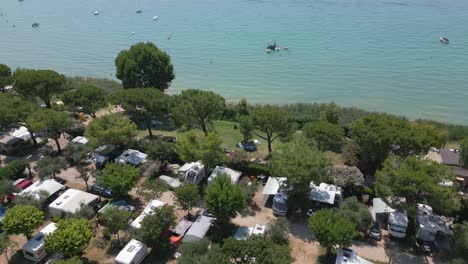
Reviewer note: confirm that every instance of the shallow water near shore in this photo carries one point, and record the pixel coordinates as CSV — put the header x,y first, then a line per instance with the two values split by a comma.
x,y
381,55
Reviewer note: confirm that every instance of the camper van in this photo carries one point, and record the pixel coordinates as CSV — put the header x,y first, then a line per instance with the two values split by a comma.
x,y
34,249
71,202
192,172
133,253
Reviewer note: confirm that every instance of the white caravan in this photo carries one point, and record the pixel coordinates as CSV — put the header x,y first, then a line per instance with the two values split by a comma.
x,y
34,249
71,201
192,172
148,210
133,253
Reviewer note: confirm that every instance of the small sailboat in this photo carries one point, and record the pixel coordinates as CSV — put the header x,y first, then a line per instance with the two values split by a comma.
x,y
444,40
35,25
155,18
96,13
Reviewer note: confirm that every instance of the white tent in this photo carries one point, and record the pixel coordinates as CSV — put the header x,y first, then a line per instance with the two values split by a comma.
x,y
272,187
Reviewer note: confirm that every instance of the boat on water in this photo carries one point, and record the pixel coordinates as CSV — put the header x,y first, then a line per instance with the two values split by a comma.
x,y
139,11
444,40
96,13
272,46
155,18
35,25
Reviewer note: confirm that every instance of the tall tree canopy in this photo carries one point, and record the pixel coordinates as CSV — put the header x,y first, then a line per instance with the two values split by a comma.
x,y
356,212
143,104
115,219
273,122
264,251
90,98
156,224
331,229
13,110
224,199
197,108
144,65
48,166
5,76
460,242
326,135
187,196
246,127
22,219
379,134
54,123
345,176
464,153
191,147
110,129
39,83
330,113
418,181
71,236
119,178
300,164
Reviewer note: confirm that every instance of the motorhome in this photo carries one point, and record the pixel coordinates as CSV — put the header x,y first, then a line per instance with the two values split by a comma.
x,y
34,249
192,172
432,229
220,170
71,201
101,155
133,253
398,224
148,210
322,194
396,221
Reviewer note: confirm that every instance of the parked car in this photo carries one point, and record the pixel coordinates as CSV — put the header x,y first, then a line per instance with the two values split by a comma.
x,y
375,232
101,191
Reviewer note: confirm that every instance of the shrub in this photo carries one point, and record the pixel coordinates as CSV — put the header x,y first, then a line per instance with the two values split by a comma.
x,y
14,170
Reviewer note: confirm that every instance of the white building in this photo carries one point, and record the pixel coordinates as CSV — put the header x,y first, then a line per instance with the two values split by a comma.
x,y
220,170
192,172
148,210
34,249
131,157
80,140
71,201
133,253
48,186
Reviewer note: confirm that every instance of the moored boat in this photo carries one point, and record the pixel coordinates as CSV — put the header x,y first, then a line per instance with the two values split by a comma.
x,y
35,25
444,40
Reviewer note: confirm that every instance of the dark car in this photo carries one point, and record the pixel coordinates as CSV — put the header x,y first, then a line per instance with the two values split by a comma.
x,y
375,232
101,191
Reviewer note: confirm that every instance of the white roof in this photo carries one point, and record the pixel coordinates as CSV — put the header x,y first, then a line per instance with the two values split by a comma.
x,y
233,174
324,193
21,132
37,241
398,219
379,207
349,256
198,229
187,166
172,182
259,230
273,185
72,200
81,140
131,156
128,253
48,185
148,210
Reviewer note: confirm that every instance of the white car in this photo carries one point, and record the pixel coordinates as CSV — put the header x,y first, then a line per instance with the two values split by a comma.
x,y
172,183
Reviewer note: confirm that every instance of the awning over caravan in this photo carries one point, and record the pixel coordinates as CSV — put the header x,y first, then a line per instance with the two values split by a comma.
x,y
273,185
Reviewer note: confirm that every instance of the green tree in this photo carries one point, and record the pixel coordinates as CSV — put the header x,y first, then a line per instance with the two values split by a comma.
x,y
418,181
162,151
115,220
15,110
119,178
197,108
22,219
74,260
110,129
201,252
356,212
90,98
242,108
44,84
278,231
187,196
143,104
224,199
31,200
262,250
152,189
5,76
54,122
330,113
326,135
71,236
273,121
154,225
49,166
144,65
6,188
208,149
331,230
76,153
300,164
5,245
464,153
345,176
460,241
246,127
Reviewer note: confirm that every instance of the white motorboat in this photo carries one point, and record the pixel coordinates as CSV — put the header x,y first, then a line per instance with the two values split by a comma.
x,y
96,13
155,18
444,40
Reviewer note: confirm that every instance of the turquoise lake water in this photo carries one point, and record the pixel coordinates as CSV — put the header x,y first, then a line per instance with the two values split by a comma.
x,y
380,55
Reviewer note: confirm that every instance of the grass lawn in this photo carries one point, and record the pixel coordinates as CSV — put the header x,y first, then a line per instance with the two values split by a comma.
x,y
227,132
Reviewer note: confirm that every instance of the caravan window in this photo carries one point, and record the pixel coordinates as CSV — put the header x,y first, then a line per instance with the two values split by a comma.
x,y
30,254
